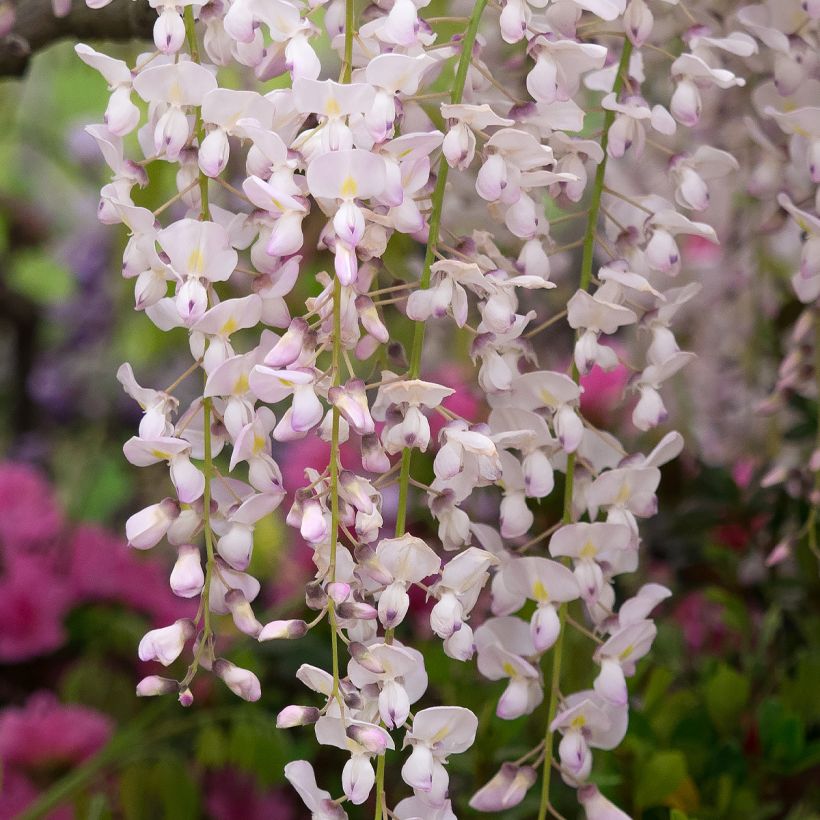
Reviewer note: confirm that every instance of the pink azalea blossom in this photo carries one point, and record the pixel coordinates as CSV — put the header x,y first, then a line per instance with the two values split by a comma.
x,y
45,733
29,514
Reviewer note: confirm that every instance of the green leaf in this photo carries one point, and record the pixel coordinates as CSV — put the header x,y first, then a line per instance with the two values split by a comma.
x,y
36,275
726,693
211,747
660,777
178,794
782,734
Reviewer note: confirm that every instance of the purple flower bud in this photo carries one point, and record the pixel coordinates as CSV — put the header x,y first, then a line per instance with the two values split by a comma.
x,y
241,682
295,715
155,685
283,630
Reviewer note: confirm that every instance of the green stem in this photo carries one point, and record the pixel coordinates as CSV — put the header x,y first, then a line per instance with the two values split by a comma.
x,y
336,355
432,241
206,644
334,483
587,260
414,370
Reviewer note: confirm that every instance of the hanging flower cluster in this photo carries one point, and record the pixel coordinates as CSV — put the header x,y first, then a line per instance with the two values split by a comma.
x,y
785,158
364,156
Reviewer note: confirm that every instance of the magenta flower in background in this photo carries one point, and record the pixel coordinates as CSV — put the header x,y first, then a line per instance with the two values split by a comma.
x,y
29,514
103,568
46,734
33,603
603,392
231,795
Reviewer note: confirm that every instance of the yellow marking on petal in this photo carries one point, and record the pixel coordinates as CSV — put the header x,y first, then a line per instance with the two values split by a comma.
x,y
277,204
258,444
626,653
196,261
161,455
540,592
623,495
578,722
332,108
547,397
287,383
229,327
440,735
509,669
349,188
242,384
588,550
175,93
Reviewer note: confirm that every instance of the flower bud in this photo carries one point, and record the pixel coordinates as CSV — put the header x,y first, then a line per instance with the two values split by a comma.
x,y
214,153
393,605
186,697
283,630
351,401
171,134
545,627
314,527
650,411
166,644
155,685
240,681
360,653
356,610
294,715
358,778
539,479
169,31
187,576
370,319
121,115
506,789
590,580
287,350
568,428
686,104
446,616
146,528
371,737
459,645
394,704
597,807
575,755
610,683
417,771
374,458
241,612
459,146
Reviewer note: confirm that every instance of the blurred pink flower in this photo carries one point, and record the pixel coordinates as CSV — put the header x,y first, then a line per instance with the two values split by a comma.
x,y
231,795
29,514
18,792
743,471
463,401
103,568
603,392
702,623
33,602
45,733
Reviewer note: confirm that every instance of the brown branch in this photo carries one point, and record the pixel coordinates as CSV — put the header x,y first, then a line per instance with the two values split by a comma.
x,y
34,27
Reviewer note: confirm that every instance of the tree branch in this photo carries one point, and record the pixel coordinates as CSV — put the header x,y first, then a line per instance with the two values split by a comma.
x,y
35,26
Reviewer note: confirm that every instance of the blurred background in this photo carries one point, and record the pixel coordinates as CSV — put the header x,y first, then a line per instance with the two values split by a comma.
x,y
727,717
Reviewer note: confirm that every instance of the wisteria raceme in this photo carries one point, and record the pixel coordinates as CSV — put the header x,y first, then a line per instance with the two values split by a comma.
x,y
549,112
